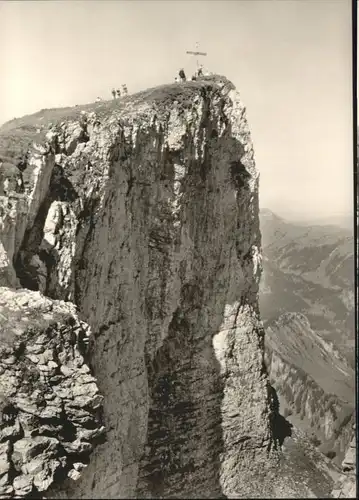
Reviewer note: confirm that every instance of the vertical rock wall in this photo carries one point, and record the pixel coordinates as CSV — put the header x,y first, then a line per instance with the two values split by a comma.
x,y
147,219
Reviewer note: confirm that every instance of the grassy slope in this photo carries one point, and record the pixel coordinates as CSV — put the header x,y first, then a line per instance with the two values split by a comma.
x,y
17,134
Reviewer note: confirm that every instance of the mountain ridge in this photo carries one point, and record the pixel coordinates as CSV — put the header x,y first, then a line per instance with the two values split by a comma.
x,y
307,307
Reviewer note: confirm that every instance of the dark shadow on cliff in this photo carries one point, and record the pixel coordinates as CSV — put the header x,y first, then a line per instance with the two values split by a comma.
x,y
33,245
185,437
184,429
281,428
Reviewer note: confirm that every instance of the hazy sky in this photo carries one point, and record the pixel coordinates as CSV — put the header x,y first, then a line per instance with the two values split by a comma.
x,y
291,61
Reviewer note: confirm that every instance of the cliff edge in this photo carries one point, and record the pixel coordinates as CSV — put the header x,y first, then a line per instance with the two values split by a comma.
x,y
143,212
345,486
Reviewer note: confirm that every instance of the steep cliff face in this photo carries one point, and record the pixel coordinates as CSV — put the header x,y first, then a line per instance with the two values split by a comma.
x,y
144,213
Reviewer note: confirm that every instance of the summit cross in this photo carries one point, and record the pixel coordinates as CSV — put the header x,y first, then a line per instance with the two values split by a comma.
x,y
196,53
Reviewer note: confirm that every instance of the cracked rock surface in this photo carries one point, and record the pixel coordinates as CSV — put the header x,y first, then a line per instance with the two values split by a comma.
x,y
49,401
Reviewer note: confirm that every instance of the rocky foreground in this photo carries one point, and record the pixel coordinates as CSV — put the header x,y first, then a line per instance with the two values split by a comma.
x,y
49,401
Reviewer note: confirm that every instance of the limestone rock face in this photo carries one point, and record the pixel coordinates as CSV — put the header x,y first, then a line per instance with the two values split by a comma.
x,y
144,213
345,487
49,401
165,257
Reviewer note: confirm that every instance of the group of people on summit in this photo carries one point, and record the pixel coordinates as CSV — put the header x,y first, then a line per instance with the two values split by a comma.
x,y
117,93
182,76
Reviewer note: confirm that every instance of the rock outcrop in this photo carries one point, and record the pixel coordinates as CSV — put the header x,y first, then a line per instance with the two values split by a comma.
x,y
49,401
345,487
144,213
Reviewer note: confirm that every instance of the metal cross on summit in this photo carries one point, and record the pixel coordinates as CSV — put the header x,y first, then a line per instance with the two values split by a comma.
x,y
196,53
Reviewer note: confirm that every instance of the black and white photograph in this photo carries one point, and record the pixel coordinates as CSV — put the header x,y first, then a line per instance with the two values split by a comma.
x,y
178,254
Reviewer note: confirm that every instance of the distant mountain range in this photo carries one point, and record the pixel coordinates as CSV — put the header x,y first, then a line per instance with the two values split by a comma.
x,y
345,221
310,270
307,307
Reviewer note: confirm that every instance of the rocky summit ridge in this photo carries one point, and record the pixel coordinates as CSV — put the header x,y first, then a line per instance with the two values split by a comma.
x,y
130,255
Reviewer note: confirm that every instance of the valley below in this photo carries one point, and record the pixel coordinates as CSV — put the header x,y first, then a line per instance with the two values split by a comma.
x,y
307,308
